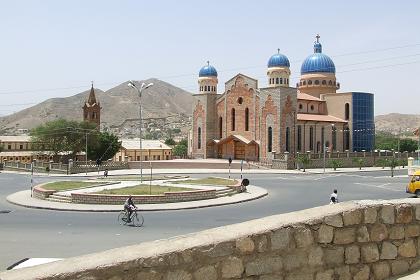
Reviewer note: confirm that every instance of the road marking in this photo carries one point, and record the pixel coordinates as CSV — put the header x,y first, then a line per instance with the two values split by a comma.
x,y
327,176
382,186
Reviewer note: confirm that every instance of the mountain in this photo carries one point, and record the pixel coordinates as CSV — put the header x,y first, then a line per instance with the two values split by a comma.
x,y
118,104
397,123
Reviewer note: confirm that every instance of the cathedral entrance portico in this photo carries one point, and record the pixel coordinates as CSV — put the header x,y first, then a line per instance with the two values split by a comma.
x,y
235,147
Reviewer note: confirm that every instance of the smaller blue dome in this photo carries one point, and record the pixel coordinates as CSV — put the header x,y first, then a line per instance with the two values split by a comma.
x,y
207,71
278,60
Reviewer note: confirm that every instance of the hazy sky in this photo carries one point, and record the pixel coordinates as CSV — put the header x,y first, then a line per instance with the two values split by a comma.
x,y
55,48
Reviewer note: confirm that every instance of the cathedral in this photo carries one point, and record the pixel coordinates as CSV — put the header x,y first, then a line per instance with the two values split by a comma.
x,y
252,123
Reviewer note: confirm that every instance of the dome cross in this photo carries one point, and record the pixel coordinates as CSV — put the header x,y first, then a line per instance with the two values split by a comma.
x,y
317,38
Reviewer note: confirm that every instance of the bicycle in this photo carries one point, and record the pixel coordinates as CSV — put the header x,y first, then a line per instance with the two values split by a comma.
x,y
137,219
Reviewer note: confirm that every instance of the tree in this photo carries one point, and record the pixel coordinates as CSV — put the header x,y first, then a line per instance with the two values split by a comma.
x,y
181,149
360,162
385,141
304,160
106,147
408,145
382,162
335,163
170,142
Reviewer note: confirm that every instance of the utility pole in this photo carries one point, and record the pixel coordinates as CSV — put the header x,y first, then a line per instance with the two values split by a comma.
x,y
86,157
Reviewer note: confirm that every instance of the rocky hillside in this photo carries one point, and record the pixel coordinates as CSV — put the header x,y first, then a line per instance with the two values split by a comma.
x,y
396,123
118,104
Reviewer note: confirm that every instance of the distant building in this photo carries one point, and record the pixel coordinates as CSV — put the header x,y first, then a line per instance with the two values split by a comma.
x,y
248,122
92,109
151,150
18,148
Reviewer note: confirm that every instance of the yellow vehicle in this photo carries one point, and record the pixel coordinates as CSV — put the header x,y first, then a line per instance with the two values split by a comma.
x,y
414,184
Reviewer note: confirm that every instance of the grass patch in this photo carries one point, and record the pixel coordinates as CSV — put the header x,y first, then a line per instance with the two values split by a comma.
x,y
144,190
207,181
69,185
134,178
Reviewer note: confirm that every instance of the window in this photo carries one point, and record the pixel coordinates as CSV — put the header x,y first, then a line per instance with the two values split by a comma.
x,y
311,138
304,83
299,136
154,157
309,82
246,119
158,157
233,119
324,82
300,83
198,139
287,139
323,138
281,80
312,107
220,127
346,138
145,158
334,138
9,147
287,81
138,158
270,139
330,83
300,106
21,147
277,81
316,82
347,111
240,100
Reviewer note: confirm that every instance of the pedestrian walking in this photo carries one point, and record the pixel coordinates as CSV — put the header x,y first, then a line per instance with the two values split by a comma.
x,y
106,173
334,197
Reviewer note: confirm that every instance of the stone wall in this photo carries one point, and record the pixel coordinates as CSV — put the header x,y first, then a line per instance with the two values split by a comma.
x,y
351,240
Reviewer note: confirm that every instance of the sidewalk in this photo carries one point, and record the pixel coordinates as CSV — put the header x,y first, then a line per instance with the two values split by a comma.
x,y
23,198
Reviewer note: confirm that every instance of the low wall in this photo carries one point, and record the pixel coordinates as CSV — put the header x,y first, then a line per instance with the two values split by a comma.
x,y
41,193
168,197
352,240
164,164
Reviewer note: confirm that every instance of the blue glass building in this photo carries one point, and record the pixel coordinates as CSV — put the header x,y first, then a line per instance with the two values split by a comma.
x,y
363,130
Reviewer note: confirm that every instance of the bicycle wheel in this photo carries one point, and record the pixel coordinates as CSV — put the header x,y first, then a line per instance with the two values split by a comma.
x,y
138,220
122,219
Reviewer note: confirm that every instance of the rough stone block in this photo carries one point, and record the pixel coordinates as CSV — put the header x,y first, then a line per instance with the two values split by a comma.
x,y
370,215
295,261
264,266
381,271
352,217
232,268
280,239
219,250
370,253
270,277
404,214
412,231
178,275
325,234
396,232
343,273
407,249
418,213
262,243
205,273
363,234
300,276
378,232
335,220
245,245
399,267
334,256
325,275
315,256
344,236
352,254
389,251
303,237
387,214
362,274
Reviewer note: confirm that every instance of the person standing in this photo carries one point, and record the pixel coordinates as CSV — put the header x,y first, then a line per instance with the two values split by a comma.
x,y
334,197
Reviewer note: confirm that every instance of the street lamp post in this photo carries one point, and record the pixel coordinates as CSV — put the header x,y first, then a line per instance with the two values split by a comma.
x,y
140,90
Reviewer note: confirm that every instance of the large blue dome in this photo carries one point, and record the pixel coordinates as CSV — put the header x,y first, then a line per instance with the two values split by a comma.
x,y
207,71
278,60
317,62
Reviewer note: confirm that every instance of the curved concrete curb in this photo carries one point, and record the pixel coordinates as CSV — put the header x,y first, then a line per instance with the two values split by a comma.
x,y
23,198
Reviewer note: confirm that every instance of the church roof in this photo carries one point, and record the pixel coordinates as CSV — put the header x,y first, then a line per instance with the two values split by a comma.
x,y
319,118
92,98
305,96
134,144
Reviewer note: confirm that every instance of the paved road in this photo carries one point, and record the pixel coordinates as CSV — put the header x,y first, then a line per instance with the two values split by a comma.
x,y
43,233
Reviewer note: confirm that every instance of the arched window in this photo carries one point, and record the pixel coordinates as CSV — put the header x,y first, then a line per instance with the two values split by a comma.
x,y
199,138
220,127
316,82
270,139
281,80
311,138
233,119
304,83
287,139
287,81
300,106
277,81
299,137
300,83
324,82
246,119
347,111
334,138
309,82
346,136
330,83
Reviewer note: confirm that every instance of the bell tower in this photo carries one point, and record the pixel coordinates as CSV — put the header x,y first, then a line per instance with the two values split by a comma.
x,y
92,109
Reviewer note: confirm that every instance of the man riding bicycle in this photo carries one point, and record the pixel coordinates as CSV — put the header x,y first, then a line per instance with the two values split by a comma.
x,y
129,207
